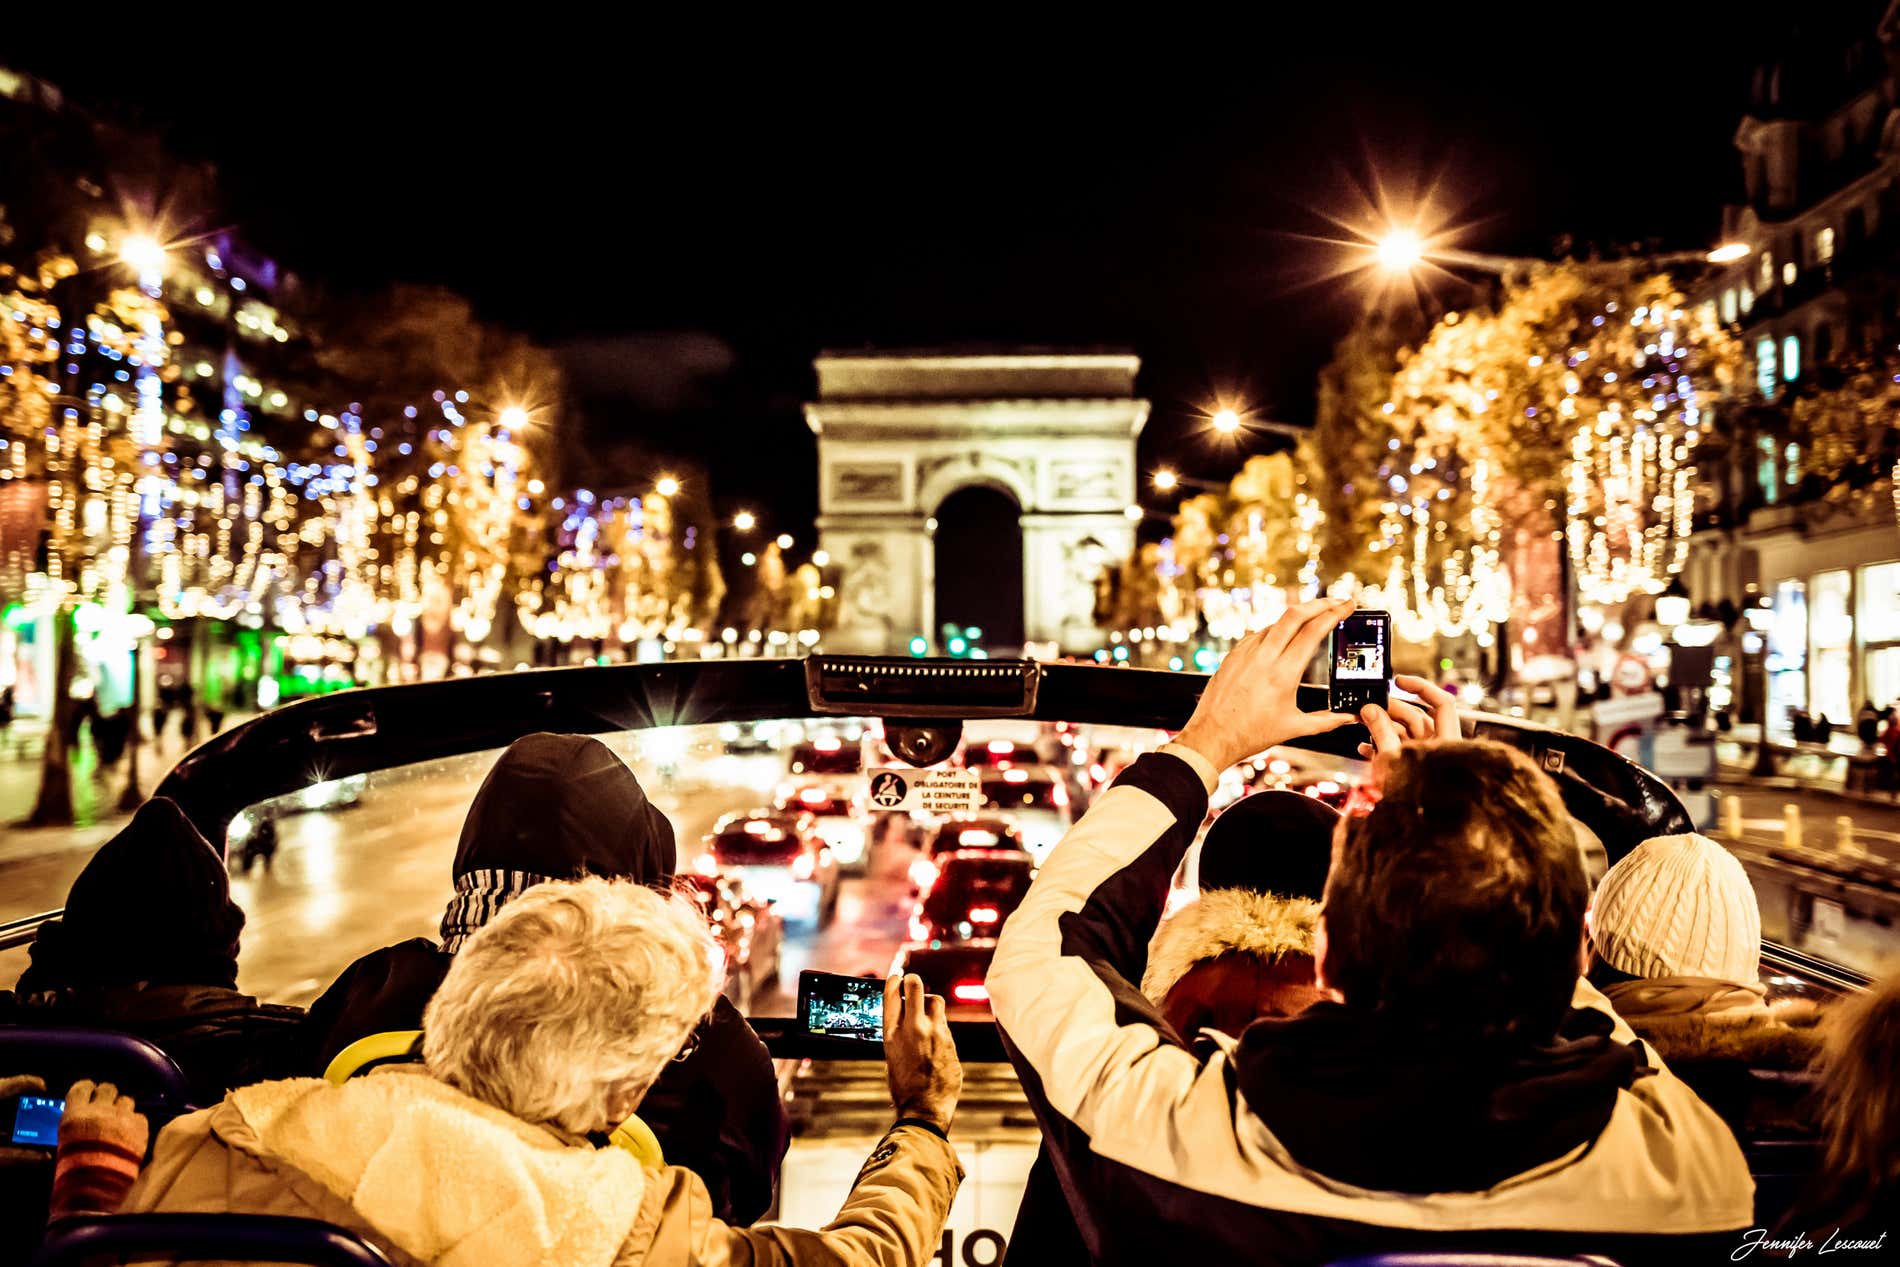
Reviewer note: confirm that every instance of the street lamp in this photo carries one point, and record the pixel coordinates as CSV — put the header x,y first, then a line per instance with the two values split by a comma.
x,y
1226,421
1672,605
744,521
1399,251
784,540
1728,253
1133,513
666,486
514,418
144,254
1165,480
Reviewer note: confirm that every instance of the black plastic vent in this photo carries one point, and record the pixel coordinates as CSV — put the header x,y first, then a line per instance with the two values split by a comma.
x,y
874,687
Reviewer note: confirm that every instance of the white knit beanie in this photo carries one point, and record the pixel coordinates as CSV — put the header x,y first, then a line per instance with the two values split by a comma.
x,y
1679,906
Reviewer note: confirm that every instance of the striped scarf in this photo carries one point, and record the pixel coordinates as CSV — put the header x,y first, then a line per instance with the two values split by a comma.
x,y
479,897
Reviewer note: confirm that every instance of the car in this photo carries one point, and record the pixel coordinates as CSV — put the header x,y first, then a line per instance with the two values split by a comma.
x,y
954,970
972,895
749,738
840,818
748,928
781,857
1035,799
974,831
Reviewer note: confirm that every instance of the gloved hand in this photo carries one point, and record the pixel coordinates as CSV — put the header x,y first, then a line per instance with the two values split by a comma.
x,y
102,1139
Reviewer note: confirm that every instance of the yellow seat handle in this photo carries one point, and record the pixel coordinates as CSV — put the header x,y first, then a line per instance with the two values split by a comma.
x,y
638,1138
372,1050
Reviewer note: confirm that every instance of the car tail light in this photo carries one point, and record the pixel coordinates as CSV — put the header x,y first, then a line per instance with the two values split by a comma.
x,y
983,915
828,744
803,866
814,796
1098,772
923,874
976,838
970,992
1000,747
1015,776
706,864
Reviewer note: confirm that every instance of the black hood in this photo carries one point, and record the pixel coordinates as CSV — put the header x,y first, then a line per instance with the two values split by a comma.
x,y
1276,841
153,905
1448,1112
561,807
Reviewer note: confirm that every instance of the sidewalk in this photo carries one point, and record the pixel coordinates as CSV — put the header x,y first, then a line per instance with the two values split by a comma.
x,y
95,798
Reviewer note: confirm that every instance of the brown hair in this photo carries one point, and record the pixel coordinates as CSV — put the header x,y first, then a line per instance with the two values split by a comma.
x,y
1458,901
1860,1100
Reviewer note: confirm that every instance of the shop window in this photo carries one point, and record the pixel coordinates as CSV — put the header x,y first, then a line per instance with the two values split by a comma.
x,y
1728,306
1791,470
1831,642
1788,273
1786,661
1748,301
1791,358
1765,368
1765,277
1768,471
1824,245
1879,601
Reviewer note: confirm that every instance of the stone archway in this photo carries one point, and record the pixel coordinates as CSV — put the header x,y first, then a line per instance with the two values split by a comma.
x,y
977,552
899,434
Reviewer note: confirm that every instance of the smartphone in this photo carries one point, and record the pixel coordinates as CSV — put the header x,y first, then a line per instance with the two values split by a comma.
x,y
31,1121
834,1006
1362,661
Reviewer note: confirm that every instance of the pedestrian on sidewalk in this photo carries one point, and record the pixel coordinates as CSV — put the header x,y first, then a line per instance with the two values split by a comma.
x,y
6,718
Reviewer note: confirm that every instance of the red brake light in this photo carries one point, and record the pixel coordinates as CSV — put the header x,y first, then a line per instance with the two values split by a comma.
x,y
814,796
970,992
983,914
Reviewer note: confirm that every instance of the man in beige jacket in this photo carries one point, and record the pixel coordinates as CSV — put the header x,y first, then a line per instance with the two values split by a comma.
x,y
554,1020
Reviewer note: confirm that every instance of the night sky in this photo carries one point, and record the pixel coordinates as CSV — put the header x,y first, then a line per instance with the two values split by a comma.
x,y
691,223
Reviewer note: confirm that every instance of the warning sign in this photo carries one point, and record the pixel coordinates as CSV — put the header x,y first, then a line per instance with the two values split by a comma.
x,y
950,790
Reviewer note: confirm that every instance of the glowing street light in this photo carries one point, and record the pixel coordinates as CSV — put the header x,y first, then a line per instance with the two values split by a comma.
x,y
1133,513
1165,480
514,418
748,558
1729,252
144,254
1399,251
821,558
666,486
784,540
744,521
1226,421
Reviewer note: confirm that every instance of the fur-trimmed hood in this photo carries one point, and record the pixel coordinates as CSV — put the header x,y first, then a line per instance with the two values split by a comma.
x,y
1227,921
1694,1019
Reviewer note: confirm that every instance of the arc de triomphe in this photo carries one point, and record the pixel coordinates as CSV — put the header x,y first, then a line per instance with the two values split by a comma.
x,y
898,433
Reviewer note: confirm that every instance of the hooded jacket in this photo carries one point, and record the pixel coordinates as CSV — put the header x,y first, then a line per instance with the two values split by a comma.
x,y
433,1176
1336,1132
559,807
148,945
1747,1058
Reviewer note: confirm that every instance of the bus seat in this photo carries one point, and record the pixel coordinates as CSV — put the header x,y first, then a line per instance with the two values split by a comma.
x,y
1470,1258
251,1238
395,1046
62,1056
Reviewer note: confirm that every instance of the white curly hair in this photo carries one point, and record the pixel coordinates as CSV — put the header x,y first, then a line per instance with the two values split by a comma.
x,y
578,988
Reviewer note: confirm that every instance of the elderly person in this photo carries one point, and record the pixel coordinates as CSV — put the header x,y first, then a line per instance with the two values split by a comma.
x,y
552,1023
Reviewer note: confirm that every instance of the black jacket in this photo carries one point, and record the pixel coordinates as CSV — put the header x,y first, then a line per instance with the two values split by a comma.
x,y
560,807
148,945
1332,1133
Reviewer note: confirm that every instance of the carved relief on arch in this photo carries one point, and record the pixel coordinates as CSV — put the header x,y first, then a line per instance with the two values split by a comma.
x,y
943,474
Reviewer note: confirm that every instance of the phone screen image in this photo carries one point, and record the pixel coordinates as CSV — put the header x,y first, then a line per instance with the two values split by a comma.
x,y
1361,664
35,1121
834,1006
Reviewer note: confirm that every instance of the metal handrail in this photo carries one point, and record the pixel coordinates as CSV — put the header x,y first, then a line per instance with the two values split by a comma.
x,y
19,932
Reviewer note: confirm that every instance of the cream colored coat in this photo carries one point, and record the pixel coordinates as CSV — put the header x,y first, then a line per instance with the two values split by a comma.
x,y
432,1176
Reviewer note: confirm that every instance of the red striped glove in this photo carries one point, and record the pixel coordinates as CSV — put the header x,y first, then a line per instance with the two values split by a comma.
x,y
102,1139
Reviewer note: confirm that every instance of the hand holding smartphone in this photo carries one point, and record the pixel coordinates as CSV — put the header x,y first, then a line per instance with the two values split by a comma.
x,y
1361,662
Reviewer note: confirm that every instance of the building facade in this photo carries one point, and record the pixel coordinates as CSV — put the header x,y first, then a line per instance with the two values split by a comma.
x,y
1801,543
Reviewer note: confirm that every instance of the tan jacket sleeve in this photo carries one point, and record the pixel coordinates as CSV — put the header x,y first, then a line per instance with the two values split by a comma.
x,y
893,1217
